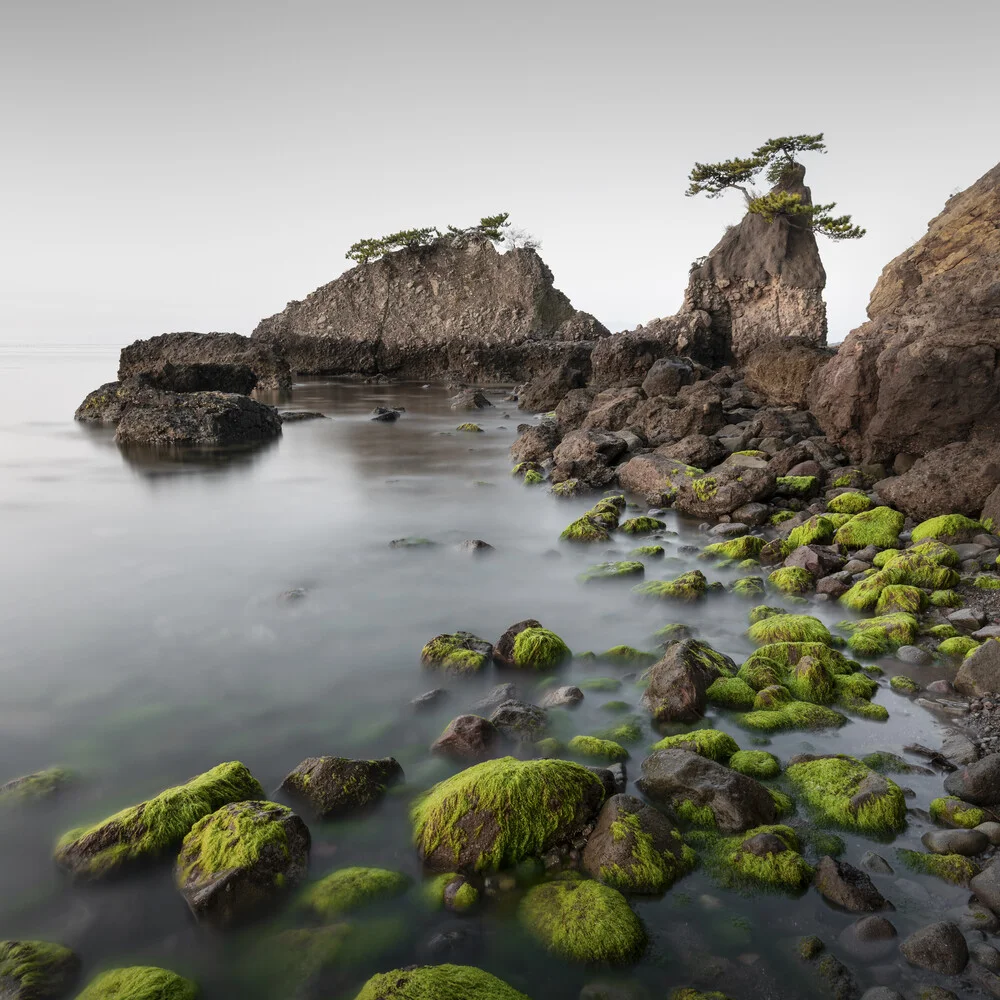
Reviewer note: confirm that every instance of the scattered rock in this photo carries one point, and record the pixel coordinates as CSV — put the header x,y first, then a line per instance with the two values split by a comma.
x,y
978,782
848,887
339,786
467,736
939,947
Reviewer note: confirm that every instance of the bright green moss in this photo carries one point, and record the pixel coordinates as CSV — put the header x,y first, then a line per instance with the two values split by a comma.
x,y
350,889
648,551
752,453
772,698
458,652
472,429
641,525
789,628
921,570
958,646
879,526
539,649
760,672
611,571
628,731
951,867
438,982
843,792
748,586
757,764
583,921
898,597
797,486
151,828
954,527
792,580
627,656
849,503
741,869
139,983
597,749
532,478
731,692
856,685
780,517
865,594
709,743
794,715
903,684
686,587
565,489
599,684
812,680
936,552
952,811
35,787
943,631
704,487
584,529
647,870
522,468
529,802
987,582
744,547
818,530
549,747
674,632
762,611
36,970
605,513
701,817
880,635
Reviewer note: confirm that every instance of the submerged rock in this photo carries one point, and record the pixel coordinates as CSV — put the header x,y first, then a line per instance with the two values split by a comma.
x,y
848,887
350,889
337,786
35,787
940,947
240,860
467,736
139,982
36,970
679,681
458,652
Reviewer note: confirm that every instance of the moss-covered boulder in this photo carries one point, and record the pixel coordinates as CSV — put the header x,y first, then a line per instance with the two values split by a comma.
x,y
240,860
817,530
842,792
849,503
635,849
450,891
789,628
457,652
687,588
757,764
879,526
339,786
743,547
949,810
594,748
438,982
730,692
36,970
750,587
603,572
155,827
792,580
499,812
678,683
764,858
528,645
583,920
641,525
139,982
627,656
35,787
709,743
877,636
900,597
349,889
952,529
952,868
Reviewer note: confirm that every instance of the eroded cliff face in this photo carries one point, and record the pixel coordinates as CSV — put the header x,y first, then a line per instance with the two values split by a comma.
x,y
924,371
763,281
455,308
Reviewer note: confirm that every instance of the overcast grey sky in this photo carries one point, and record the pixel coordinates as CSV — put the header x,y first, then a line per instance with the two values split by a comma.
x,y
195,165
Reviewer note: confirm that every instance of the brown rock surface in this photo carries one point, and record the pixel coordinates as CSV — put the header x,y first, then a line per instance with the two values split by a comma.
x,y
781,370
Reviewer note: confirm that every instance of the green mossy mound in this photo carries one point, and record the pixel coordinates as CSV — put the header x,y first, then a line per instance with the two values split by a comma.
x,y
350,889
731,692
762,611
864,595
757,764
751,587
532,478
458,652
899,597
959,646
627,656
687,587
35,787
597,749
888,763
626,732
641,525
438,982
710,743
942,632
521,468
539,649
818,530
902,684
583,921
987,582
794,715
476,429
567,488
36,970
844,793
450,891
951,867
849,503
948,528
744,547
780,517
612,571
499,812
152,828
951,811
648,551
772,698
922,570
744,863
139,983
585,529
789,628
600,684
797,486
879,526
883,634
792,580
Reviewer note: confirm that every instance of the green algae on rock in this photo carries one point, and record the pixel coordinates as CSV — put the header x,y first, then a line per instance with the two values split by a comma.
x,y
597,749
904,685
877,636
900,597
626,731
240,860
457,652
743,547
879,526
36,970
797,486
349,889
150,829
843,792
792,580
585,529
450,891
566,489
687,587
139,982
35,787
748,586
757,764
649,551
780,517
475,429
600,684
959,646
849,503
612,571
987,582
497,813
766,857
789,628
818,530
641,525
950,867
438,982
627,656
337,786
951,811
532,478
948,528
710,743
583,921
539,649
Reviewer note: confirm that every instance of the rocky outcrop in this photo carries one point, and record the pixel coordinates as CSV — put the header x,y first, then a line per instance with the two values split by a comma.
x,y
148,356
456,307
763,281
924,371
782,370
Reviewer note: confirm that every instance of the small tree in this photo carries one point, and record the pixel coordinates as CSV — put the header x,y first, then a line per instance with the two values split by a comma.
x,y
774,158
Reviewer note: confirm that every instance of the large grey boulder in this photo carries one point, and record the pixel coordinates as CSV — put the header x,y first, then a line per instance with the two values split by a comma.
x,y
678,681
979,673
978,782
588,456
848,887
722,491
940,947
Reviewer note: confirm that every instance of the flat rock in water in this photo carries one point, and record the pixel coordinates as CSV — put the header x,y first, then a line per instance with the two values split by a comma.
x,y
385,414
338,786
914,655
297,416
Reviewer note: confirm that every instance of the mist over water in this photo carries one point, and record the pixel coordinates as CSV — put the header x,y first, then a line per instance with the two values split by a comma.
x,y
146,639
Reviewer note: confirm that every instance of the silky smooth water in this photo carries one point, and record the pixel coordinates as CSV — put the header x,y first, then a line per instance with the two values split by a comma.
x,y
145,639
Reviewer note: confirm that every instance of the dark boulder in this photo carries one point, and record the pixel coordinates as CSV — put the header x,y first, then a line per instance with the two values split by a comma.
x,y
781,370
588,456
547,389
339,786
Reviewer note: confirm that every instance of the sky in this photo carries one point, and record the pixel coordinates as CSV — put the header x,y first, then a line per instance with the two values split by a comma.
x,y
196,165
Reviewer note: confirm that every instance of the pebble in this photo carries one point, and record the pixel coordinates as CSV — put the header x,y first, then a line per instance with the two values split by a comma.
x,y
429,698
731,530
941,686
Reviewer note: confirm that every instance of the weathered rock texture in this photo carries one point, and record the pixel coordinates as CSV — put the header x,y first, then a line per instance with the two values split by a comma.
x,y
763,281
924,371
455,307
782,370
144,356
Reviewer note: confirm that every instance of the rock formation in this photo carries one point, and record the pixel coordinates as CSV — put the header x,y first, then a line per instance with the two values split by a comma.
x,y
144,356
763,281
455,307
923,374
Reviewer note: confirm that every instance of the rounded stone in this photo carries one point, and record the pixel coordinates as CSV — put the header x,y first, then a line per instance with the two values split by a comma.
x,y
967,842
940,947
